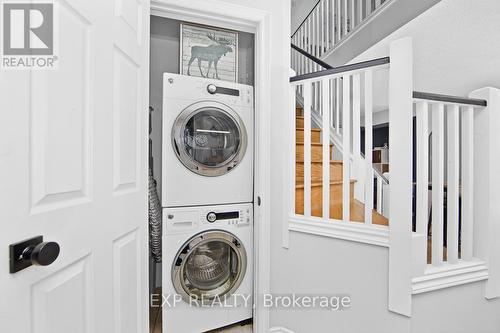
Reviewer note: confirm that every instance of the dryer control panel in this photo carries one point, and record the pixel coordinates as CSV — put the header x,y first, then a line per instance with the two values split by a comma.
x,y
240,216
177,86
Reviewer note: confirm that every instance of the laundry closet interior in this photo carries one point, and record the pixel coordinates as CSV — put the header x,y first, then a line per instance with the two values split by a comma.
x,y
202,167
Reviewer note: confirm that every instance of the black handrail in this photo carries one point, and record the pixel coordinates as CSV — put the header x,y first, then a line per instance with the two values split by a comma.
x,y
342,69
307,16
310,56
449,99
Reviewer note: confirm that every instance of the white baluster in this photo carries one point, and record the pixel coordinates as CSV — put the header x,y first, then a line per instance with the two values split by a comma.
x,y
467,182
422,210
332,102
337,105
358,164
360,11
368,146
315,31
452,196
379,195
353,14
339,20
309,39
293,152
325,86
301,57
328,24
346,14
322,28
437,182
307,148
346,150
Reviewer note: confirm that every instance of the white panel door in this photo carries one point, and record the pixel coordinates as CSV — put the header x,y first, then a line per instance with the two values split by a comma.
x,y
73,169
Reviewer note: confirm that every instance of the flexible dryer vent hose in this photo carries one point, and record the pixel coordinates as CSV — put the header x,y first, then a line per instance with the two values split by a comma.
x,y
154,219
154,206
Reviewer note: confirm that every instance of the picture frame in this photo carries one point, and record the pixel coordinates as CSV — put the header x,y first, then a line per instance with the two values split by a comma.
x,y
208,52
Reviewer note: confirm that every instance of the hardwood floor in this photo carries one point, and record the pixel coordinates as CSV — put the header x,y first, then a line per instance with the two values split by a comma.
x,y
155,319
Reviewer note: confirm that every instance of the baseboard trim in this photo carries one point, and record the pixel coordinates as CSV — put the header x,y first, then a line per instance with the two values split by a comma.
x,y
351,231
448,275
280,330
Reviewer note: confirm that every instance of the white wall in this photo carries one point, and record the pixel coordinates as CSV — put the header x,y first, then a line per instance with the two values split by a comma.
x,y
456,310
325,266
300,10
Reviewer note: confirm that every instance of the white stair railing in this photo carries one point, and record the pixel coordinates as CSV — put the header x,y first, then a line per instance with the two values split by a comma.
x,y
334,106
331,22
435,250
450,179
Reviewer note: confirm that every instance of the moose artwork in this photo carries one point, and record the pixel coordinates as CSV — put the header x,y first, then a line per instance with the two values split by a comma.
x,y
208,52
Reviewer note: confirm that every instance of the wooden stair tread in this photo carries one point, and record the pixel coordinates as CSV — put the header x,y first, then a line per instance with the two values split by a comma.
x,y
357,210
301,143
315,183
312,129
321,162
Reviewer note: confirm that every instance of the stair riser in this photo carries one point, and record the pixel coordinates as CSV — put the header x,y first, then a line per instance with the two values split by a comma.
x,y
316,152
317,171
317,200
298,111
299,122
315,136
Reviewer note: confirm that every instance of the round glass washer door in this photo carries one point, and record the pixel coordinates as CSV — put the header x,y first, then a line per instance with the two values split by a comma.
x,y
209,265
209,138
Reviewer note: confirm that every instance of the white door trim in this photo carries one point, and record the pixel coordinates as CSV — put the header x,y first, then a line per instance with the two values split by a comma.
x,y
226,15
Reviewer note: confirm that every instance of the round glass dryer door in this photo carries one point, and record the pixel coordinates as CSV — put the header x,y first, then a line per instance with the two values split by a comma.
x,y
211,264
209,138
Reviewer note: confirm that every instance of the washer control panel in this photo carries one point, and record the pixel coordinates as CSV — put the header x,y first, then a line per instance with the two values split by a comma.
x,y
241,216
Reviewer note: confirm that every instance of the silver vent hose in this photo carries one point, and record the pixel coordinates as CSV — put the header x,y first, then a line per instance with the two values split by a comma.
x,y
155,218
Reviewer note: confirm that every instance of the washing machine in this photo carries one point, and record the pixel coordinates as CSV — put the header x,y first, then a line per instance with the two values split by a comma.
x,y
208,134
207,267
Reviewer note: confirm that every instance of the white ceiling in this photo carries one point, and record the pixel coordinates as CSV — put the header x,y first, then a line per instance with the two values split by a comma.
x,y
456,49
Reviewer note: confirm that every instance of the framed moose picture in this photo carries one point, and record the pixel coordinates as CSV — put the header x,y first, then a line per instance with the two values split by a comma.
x,y
209,52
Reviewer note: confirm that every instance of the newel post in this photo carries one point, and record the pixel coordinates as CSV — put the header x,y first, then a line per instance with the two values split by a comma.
x,y
487,186
400,145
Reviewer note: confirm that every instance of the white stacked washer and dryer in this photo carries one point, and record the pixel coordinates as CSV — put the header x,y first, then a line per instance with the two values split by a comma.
x,y
207,194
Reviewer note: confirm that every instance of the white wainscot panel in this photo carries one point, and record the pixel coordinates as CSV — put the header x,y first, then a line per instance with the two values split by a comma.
x,y
126,109
53,311
60,126
126,283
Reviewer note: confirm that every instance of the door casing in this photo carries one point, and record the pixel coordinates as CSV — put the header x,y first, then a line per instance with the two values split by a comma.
x,y
256,21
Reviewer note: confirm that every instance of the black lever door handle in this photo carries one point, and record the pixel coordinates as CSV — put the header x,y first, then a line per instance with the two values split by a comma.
x,y
33,251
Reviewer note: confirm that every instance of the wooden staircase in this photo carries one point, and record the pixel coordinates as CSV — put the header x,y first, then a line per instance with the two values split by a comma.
x,y
357,208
